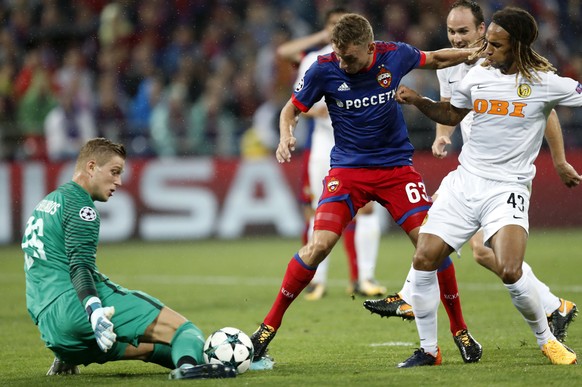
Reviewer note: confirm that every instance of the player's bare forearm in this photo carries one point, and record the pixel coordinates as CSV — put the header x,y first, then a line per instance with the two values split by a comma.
x,y
293,50
553,134
555,139
287,121
441,112
446,57
441,140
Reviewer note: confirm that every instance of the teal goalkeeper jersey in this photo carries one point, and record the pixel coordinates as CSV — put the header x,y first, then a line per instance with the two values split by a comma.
x,y
60,237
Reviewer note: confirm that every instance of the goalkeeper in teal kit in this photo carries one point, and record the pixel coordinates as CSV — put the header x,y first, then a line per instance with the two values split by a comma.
x,y
82,316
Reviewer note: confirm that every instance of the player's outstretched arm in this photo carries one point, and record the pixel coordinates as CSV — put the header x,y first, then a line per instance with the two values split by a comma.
x,y
446,57
293,50
442,112
555,140
287,121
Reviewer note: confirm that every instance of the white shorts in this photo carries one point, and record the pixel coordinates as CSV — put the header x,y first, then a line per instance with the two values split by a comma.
x,y
318,167
467,202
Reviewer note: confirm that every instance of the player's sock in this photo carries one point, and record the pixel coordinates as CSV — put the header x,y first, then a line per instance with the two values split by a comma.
x,y
406,291
425,303
297,277
187,345
450,295
367,244
526,300
549,301
350,247
162,355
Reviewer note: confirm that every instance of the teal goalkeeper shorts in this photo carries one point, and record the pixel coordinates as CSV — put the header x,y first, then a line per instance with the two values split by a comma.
x,y
66,330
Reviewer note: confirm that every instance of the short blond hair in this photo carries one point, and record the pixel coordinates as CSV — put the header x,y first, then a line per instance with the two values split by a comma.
x,y
352,29
101,150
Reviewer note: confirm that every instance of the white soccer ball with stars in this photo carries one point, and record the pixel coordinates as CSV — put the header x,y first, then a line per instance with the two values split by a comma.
x,y
231,347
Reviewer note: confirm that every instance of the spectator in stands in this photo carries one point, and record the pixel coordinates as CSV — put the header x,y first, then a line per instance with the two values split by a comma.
x,y
35,96
68,126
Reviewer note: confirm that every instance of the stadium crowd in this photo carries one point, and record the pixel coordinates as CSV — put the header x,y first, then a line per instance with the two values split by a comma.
x,y
200,77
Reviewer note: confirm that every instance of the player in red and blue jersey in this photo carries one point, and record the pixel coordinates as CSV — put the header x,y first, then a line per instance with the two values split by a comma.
x,y
372,156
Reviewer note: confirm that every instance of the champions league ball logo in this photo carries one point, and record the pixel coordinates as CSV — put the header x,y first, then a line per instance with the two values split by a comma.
x,y
88,214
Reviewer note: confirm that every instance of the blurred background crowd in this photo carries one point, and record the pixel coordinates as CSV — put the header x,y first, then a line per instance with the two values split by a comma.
x,y
201,77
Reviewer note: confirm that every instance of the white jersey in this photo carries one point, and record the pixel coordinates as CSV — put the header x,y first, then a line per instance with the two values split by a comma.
x,y
449,79
322,140
510,116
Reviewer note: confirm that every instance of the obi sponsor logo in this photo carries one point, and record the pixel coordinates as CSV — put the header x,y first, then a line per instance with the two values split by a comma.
x,y
499,108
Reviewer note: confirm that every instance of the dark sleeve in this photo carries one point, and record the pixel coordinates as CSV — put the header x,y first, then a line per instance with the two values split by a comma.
x,y
83,282
81,228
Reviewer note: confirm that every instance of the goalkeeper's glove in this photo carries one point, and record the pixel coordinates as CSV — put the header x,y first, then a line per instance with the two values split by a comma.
x,y
100,318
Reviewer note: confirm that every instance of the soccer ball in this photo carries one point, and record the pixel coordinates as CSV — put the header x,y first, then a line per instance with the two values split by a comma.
x,y
231,347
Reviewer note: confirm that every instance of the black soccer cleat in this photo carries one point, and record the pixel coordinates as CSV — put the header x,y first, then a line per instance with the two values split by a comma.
x,y
560,318
420,358
203,371
471,350
261,339
391,306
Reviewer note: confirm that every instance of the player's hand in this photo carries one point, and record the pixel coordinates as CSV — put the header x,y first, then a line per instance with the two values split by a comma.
x,y
439,146
405,95
103,327
568,174
284,149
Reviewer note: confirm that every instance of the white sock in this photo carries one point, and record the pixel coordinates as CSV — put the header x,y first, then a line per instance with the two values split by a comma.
x,y
367,241
527,301
406,291
425,301
549,301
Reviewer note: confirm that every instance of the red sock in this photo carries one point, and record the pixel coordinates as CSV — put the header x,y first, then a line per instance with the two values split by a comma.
x,y
349,236
450,295
297,277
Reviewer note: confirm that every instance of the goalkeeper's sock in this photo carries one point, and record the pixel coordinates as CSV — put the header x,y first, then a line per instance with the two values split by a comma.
x,y
450,295
297,277
348,236
161,355
187,345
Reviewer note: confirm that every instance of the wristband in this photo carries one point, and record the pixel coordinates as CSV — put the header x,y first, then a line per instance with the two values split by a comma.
x,y
91,305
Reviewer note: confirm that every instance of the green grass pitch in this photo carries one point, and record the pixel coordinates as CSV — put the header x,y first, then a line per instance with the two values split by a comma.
x,y
331,342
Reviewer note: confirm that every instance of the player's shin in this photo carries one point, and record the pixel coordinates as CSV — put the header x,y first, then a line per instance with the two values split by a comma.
x,y
425,302
297,277
527,301
187,345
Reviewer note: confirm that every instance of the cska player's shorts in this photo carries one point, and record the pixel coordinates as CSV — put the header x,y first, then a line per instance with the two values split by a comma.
x,y
400,190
